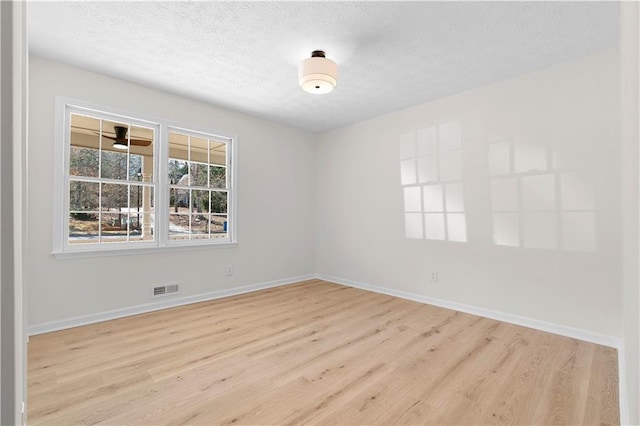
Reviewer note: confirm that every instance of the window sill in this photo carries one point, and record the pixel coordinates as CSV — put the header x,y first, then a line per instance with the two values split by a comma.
x,y
109,252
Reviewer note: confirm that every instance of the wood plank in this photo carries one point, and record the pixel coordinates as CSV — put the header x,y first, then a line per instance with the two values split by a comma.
x,y
317,353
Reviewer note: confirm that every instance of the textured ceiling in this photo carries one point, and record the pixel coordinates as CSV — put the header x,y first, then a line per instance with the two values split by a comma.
x,y
390,55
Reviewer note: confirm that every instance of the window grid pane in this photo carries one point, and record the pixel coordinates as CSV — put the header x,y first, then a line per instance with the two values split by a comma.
x,y
102,181
198,190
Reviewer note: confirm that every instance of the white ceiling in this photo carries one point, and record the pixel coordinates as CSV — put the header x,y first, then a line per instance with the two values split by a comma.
x,y
390,55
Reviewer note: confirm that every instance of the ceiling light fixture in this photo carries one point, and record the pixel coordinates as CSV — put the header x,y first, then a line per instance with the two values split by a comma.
x,y
317,74
120,141
121,145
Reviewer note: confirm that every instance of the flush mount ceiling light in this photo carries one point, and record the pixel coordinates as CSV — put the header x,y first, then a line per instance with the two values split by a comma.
x,y
317,74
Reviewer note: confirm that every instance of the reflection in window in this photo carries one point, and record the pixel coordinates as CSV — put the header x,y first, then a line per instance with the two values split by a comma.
x,y
535,205
431,176
110,178
198,187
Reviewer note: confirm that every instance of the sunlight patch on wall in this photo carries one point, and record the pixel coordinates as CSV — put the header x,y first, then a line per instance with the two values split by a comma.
x,y
431,176
538,198
537,205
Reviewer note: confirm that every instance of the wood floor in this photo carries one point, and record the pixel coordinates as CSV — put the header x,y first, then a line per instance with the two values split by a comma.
x,y
317,353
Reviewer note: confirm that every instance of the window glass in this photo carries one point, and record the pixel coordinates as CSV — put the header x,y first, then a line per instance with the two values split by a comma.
x,y
197,171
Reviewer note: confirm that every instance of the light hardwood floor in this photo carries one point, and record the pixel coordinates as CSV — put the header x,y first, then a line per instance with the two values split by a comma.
x,y
317,353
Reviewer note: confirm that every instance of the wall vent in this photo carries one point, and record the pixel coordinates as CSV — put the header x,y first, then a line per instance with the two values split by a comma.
x,y
165,290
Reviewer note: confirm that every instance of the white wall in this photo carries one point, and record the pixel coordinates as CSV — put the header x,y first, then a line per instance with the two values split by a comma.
x,y
630,74
13,116
561,119
276,214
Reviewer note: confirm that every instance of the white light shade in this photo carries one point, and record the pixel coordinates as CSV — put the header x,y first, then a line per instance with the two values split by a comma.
x,y
122,145
318,75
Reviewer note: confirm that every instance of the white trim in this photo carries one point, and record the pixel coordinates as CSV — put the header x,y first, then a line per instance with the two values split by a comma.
x,y
59,172
623,399
549,327
155,306
128,251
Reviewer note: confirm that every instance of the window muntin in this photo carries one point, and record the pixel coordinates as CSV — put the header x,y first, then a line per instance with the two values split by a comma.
x,y
110,190
122,198
198,187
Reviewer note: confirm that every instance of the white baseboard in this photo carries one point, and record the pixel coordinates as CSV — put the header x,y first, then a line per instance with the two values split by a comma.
x,y
155,306
623,400
576,333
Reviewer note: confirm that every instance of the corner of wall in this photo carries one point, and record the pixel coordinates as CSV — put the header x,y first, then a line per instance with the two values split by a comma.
x,y
630,111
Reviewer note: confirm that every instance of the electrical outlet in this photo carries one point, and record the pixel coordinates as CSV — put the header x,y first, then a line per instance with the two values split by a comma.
x,y
229,270
434,277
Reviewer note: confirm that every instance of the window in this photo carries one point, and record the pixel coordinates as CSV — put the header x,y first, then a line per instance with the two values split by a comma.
x,y
198,187
111,190
131,183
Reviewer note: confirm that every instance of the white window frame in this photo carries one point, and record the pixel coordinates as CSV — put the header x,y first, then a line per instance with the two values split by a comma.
x,y
161,242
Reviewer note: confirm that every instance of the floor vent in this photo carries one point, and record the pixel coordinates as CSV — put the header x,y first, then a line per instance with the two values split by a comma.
x,y
165,290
